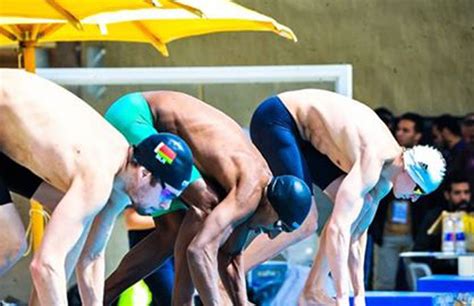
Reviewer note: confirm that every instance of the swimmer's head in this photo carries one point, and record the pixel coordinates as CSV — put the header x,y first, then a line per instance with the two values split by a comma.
x,y
290,197
426,166
168,161
167,157
424,170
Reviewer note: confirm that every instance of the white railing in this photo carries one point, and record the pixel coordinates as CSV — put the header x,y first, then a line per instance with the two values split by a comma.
x,y
341,75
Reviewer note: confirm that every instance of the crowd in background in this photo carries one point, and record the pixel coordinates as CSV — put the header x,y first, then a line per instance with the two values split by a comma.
x,y
400,226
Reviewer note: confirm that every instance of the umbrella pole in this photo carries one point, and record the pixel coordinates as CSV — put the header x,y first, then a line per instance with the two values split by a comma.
x,y
29,59
37,223
36,209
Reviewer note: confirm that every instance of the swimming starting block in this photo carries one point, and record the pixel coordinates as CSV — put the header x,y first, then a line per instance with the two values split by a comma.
x,y
394,298
446,283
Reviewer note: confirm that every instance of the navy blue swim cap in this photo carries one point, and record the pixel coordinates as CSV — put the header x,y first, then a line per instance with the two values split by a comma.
x,y
291,199
167,157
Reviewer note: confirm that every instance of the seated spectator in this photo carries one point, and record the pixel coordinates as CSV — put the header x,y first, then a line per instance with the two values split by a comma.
x,y
457,197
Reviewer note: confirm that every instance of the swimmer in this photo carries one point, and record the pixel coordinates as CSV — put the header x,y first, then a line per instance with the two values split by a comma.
x,y
340,145
62,140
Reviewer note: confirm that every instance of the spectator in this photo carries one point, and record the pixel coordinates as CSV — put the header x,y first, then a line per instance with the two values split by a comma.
x,y
392,229
447,137
386,116
464,159
457,197
457,194
464,163
467,128
409,130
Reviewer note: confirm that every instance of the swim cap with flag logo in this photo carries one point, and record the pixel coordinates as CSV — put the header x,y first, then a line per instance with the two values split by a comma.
x,y
291,199
167,157
426,166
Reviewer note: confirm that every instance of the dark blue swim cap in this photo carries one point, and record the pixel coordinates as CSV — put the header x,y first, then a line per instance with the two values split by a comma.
x,y
167,157
291,199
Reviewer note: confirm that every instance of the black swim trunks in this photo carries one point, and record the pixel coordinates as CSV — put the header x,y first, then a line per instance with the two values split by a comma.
x,y
275,133
16,178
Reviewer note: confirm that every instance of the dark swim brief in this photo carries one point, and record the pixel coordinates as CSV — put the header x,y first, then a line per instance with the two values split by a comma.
x,y
16,178
275,133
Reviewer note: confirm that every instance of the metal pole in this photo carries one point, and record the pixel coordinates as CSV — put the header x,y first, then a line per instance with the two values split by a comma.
x,y
29,58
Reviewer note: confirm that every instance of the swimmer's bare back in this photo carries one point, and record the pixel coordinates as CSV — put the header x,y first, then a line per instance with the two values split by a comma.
x,y
339,127
221,150
54,133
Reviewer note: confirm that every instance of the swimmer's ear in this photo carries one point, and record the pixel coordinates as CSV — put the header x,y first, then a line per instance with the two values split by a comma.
x,y
144,172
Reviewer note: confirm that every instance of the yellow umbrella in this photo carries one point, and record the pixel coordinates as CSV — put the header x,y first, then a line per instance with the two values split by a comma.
x,y
154,25
15,13
74,11
160,27
71,10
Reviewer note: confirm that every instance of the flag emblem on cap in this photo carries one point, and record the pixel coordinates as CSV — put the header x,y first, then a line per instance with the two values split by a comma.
x,y
164,154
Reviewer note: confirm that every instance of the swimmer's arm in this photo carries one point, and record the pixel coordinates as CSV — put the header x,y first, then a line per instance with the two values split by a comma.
x,y
231,265
231,271
357,253
202,252
356,266
144,257
90,269
348,205
359,238
71,220
371,200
